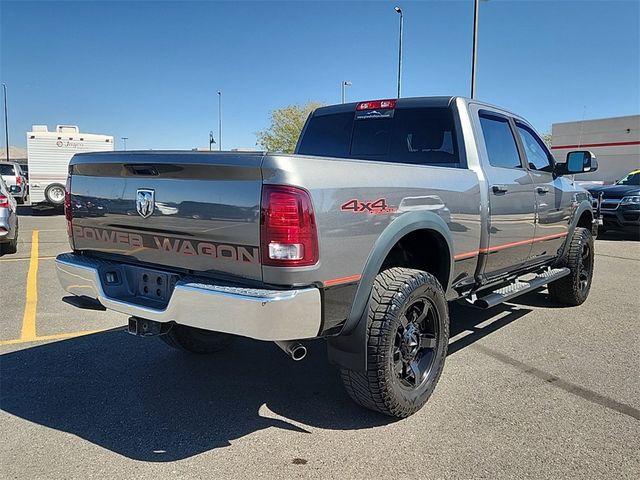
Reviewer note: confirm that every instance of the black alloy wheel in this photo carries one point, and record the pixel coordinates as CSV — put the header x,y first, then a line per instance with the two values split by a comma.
x,y
416,341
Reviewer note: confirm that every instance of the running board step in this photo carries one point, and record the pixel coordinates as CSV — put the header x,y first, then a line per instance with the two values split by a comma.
x,y
519,287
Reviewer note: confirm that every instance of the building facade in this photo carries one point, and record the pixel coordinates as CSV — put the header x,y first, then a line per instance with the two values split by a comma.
x,y
614,141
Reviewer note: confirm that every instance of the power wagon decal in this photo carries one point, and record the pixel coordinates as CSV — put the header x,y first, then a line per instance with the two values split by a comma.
x,y
375,207
169,245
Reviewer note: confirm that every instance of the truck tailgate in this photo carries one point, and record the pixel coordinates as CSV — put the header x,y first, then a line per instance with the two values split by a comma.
x,y
197,211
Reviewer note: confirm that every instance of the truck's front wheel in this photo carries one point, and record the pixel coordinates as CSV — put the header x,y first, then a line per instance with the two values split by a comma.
x,y
407,338
574,288
196,340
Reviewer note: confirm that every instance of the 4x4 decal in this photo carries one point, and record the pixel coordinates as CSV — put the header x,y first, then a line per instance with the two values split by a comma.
x,y
374,207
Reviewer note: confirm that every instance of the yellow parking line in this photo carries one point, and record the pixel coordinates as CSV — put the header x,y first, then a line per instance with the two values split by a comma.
x,y
29,317
58,336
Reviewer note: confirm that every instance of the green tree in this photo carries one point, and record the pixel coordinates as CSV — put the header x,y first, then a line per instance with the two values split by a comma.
x,y
546,138
286,125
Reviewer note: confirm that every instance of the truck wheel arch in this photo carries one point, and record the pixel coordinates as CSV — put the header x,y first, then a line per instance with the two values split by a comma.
x,y
582,217
585,219
348,349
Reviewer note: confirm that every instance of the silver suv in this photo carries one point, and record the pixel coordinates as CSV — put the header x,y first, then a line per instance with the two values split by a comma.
x,y
16,181
8,221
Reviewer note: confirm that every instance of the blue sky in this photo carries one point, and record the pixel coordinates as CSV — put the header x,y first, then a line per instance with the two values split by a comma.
x,y
150,70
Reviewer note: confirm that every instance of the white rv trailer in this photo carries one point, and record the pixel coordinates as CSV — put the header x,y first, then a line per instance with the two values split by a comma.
x,y
48,155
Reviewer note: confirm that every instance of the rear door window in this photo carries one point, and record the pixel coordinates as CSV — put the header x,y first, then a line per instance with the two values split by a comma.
x,y
500,142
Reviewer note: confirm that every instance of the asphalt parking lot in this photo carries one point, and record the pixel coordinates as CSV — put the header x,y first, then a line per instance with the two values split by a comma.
x,y
530,390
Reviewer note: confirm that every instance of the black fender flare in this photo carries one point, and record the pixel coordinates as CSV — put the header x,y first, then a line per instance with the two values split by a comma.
x,y
583,206
348,349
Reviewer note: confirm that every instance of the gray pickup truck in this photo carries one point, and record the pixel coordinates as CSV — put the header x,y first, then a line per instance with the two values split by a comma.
x,y
387,211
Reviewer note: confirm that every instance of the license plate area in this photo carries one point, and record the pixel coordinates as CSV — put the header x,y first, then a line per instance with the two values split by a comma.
x,y
153,285
143,286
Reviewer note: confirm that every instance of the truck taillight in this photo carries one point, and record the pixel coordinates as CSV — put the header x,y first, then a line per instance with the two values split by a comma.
x,y
18,180
68,210
288,234
4,201
373,104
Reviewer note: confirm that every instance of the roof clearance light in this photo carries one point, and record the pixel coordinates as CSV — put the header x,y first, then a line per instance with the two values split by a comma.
x,y
376,104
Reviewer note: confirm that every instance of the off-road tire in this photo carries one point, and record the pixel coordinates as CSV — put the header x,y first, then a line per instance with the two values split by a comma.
x,y
574,289
195,340
379,388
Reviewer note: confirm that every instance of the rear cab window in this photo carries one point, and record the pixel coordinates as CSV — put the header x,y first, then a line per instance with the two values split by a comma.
x,y
384,131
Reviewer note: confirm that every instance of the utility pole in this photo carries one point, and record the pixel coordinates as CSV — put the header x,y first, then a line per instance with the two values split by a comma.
x,y
6,120
219,121
475,47
399,11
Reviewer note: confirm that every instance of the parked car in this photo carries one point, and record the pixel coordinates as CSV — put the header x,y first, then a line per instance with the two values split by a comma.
x,y
620,203
388,210
8,220
13,176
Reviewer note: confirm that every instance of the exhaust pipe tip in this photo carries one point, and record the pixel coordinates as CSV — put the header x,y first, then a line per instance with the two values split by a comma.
x,y
295,350
299,352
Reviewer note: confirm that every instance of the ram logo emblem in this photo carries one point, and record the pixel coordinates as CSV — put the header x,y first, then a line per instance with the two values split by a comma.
x,y
145,202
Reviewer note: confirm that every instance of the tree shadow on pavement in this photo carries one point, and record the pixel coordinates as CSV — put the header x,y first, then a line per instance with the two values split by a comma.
x,y
145,401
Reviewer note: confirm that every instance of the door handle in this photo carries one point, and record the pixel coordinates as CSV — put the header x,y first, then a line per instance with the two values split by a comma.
x,y
499,188
542,190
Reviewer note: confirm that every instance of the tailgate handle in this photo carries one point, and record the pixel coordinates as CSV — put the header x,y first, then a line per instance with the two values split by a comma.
x,y
148,170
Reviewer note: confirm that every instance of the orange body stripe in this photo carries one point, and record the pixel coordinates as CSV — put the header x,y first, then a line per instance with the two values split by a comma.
x,y
338,281
495,248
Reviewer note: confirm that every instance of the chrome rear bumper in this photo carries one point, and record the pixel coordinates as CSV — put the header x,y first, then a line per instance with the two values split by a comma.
x,y
254,313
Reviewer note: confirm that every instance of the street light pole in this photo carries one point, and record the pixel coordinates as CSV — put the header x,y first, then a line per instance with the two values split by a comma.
x,y
6,120
124,140
399,10
475,48
345,84
219,121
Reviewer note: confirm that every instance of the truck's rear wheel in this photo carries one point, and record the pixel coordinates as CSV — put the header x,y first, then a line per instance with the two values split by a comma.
x,y
54,194
196,340
574,288
407,338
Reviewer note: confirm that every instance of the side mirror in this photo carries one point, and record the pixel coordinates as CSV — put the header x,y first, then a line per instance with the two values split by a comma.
x,y
14,189
579,161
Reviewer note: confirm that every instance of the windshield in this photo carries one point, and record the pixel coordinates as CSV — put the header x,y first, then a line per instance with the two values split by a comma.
x,y
631,179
